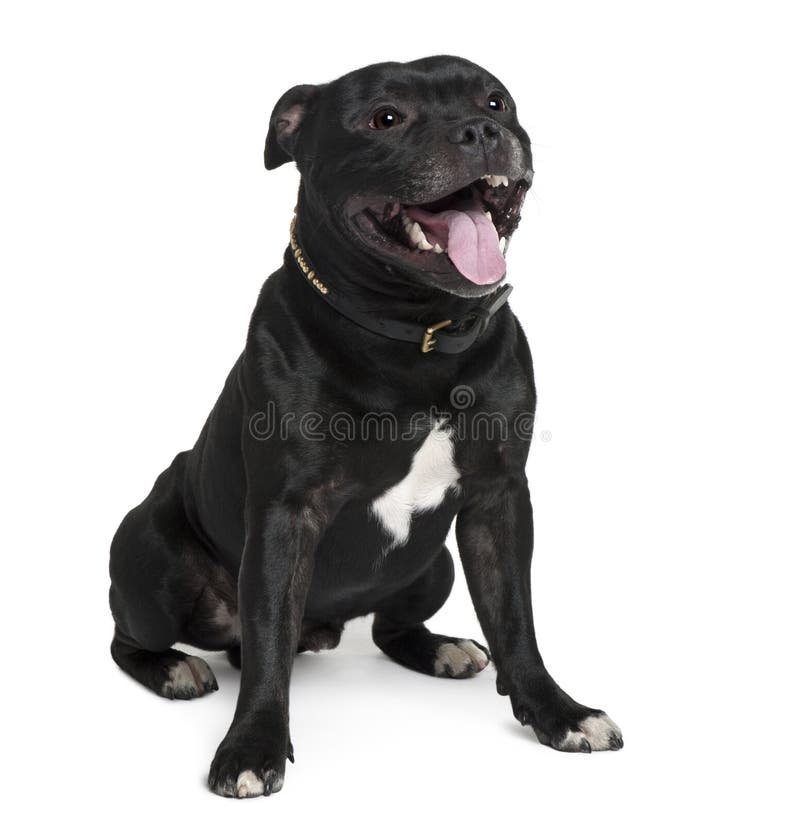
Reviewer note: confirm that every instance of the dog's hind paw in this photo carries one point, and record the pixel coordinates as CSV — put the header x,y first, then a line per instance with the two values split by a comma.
x,y
459,659
189,678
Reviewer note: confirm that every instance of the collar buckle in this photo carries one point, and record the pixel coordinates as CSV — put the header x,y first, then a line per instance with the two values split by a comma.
x,y
428,341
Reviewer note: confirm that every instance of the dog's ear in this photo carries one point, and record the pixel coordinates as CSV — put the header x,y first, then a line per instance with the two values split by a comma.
x,y
288,116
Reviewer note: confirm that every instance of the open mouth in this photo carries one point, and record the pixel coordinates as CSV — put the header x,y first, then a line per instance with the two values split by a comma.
x,y
470,227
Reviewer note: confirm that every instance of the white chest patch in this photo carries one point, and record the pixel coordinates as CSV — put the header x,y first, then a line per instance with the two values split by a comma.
x,y
433,472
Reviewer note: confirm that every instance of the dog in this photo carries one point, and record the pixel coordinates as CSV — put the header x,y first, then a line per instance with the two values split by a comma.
x,y
385,390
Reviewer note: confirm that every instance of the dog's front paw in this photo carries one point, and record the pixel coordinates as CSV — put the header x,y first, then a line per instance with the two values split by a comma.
x,y
594,732
244,766
564,724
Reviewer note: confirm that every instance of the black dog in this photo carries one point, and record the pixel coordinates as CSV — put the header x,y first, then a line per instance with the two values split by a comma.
x,y
385,389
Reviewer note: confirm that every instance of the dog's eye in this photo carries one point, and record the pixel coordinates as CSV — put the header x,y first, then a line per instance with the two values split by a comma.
x,y
385,119
497,103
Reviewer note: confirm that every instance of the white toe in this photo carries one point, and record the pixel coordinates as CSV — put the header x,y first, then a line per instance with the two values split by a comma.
x,y
596,730
459,658
180,678
450,658
478,657
248,784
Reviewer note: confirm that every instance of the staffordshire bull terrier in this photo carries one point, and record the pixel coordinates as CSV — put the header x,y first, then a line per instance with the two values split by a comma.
x,y
385,390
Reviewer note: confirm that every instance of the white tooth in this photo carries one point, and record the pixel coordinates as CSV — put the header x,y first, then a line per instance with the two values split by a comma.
x,y
416,233
488,215
503,242
502,179
437,248
485,177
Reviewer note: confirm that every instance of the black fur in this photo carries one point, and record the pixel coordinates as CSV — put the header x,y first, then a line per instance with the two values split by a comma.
x,y
263,544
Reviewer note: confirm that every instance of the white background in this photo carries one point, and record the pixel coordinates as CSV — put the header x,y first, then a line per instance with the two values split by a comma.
x,y
656,275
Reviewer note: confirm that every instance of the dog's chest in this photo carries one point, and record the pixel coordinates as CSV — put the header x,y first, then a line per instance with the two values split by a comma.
x,y
432,473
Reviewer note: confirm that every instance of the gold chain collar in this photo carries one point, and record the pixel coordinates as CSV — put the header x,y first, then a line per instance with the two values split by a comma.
x,y
301,261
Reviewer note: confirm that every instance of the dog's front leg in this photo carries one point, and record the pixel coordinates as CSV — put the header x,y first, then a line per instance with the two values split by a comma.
x,y
274,578
495,538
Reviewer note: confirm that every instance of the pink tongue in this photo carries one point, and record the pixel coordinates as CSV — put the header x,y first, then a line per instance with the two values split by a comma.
x,y
469,238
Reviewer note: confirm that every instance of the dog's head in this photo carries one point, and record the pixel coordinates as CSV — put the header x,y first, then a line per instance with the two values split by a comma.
x,y
420,168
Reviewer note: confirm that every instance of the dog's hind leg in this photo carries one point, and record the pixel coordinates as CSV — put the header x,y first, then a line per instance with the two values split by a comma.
x,y
399,632
161,594
170,673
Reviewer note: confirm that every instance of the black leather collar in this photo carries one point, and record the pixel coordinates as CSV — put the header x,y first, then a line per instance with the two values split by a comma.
x,y
470,326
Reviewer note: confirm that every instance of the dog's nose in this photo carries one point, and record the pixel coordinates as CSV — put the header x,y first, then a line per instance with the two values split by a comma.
x,y
477,133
